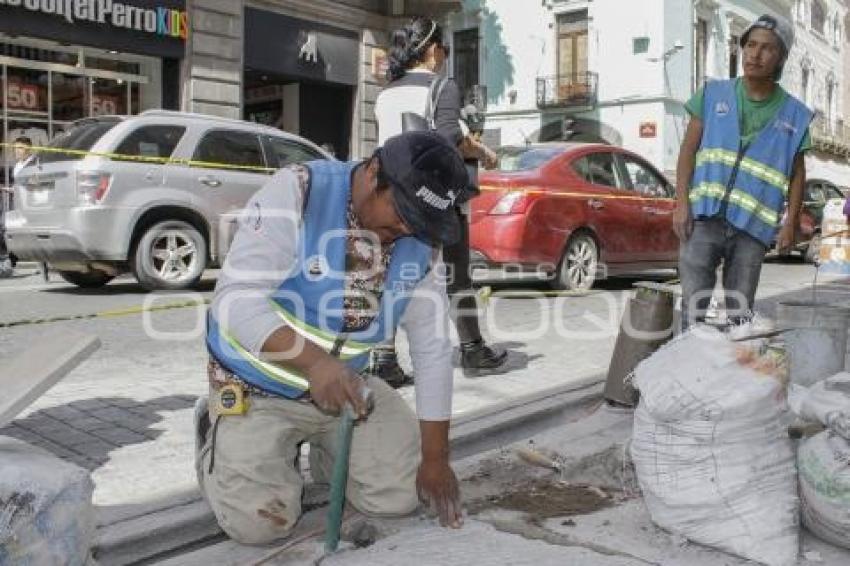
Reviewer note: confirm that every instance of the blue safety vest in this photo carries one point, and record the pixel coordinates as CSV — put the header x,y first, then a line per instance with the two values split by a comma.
x,y
748,185
310,300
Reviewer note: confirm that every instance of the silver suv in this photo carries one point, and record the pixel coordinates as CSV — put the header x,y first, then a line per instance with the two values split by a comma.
x,y
93,217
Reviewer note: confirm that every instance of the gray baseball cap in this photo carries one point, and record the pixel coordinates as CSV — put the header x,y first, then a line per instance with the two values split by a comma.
x,y
783,30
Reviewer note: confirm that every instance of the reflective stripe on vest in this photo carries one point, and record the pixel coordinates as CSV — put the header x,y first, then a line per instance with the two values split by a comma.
x,y
324,340
288,377
234,357
759,170
739,198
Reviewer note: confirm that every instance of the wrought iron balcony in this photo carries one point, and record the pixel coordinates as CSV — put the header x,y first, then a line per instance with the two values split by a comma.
x,y
567,91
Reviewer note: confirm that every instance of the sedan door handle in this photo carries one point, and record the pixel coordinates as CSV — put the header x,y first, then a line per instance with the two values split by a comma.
x,y
210,181
595,204
650,210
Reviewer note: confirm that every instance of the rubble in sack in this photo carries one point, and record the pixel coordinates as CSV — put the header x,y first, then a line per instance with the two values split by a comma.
x,y
710,450
46,512
823,462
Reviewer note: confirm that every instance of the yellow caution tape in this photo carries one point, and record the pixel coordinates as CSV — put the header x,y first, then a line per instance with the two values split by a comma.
x,y
105,314
145,158
571,194
216,165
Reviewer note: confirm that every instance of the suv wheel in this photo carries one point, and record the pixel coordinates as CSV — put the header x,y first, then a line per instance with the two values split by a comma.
x,y
170,255
92,279
577,270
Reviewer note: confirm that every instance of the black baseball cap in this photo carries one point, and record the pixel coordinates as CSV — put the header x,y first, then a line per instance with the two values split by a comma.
x,y
427,175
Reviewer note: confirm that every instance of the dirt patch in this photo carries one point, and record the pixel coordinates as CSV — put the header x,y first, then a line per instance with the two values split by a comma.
x,y
541,500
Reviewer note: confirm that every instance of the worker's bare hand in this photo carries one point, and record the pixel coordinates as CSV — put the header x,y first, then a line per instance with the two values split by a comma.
x,y
786,239
334,385
438,489
683,222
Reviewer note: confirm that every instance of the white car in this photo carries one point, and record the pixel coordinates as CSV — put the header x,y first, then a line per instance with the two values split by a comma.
x,y
92,217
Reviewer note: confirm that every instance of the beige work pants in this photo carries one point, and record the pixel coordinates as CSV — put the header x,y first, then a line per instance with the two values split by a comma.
x,y
255,486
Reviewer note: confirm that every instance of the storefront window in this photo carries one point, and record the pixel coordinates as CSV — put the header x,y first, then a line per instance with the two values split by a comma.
x,y
108,97
43,104
115,65
70,97
26,91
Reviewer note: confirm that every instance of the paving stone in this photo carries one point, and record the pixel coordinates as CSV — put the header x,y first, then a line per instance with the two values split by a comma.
x,y
43,425
73,437
120,436
126,403
96,449
64,413
111,414
137,423
89,423
175,403
88,404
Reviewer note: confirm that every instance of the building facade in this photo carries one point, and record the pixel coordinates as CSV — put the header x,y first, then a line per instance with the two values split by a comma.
x,y
622,71
601,70
311,67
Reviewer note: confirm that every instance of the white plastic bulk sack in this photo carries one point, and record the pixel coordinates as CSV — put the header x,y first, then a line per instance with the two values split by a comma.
x,y
824,467
712,457
46,512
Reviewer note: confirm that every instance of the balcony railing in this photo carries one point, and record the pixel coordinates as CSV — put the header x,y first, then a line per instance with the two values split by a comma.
x,y
567,91
830,136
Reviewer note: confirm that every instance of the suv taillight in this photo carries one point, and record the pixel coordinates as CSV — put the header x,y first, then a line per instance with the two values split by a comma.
x,y
92,186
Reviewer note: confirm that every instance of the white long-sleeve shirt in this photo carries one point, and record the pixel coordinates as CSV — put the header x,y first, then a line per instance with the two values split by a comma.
x,y
264,253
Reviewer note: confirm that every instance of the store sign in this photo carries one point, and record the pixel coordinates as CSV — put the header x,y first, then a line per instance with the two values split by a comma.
x,y
301,49
648,129
166,22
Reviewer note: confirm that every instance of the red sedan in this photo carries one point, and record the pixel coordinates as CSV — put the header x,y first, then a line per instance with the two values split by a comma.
x,y
576,211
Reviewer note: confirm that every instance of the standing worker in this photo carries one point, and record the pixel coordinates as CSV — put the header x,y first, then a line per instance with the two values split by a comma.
x,y
331,257
22,152
417,55
741,158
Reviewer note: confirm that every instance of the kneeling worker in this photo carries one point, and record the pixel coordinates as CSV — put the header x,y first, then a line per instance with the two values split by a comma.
x,y
329,258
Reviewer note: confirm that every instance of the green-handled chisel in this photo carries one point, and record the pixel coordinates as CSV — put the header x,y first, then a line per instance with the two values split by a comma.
x,y
339,476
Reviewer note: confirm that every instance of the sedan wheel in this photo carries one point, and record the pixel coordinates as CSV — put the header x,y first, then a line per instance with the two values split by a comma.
x,y
170,255
577,270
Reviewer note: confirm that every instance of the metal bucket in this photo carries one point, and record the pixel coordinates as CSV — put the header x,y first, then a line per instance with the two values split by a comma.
x,y
817,343
647,324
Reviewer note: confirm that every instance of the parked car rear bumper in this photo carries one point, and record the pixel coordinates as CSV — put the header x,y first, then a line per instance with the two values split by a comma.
x,y
70,235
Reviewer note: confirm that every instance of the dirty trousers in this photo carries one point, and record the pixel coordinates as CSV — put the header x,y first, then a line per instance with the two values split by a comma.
x,y
255,486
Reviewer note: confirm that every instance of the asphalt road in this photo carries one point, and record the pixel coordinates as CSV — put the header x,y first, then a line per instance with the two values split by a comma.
x,y
140,326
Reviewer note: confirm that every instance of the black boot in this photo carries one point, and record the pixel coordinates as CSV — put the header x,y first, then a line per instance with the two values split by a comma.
x,y
385,366
478,359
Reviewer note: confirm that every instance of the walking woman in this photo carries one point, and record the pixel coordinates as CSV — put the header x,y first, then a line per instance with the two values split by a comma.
x,y
417,56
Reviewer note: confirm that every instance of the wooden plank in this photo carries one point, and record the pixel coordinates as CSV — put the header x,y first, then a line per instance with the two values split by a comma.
x,y
28,376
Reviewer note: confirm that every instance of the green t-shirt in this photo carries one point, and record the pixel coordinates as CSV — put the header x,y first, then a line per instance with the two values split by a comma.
x,y
753,115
